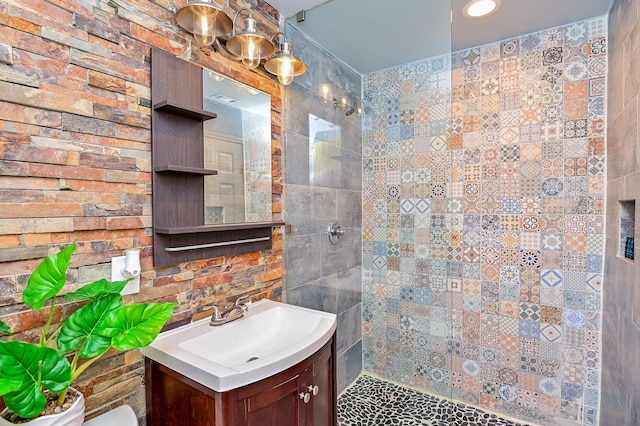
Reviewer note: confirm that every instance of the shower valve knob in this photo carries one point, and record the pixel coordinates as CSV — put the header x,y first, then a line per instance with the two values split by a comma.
x,y
334,232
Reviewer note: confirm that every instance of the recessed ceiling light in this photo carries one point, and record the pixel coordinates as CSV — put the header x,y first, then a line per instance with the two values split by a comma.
x,y
478,8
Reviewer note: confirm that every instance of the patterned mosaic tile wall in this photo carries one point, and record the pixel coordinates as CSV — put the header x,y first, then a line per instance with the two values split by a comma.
x,y
483,233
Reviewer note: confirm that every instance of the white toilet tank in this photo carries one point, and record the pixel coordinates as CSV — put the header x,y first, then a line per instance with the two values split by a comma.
x,y
121,416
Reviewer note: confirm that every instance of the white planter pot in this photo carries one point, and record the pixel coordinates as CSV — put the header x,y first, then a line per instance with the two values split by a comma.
x,y
73,416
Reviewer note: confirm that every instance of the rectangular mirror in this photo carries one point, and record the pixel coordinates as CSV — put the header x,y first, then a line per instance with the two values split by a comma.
x,y
238,145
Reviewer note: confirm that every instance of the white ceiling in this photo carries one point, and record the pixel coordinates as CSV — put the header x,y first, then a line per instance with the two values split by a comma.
x,y
370,35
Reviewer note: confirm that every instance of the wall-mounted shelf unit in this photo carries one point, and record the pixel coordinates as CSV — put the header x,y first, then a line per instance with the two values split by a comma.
x,y
177,131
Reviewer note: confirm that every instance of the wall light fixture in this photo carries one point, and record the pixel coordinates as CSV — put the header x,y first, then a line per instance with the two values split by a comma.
x,y
284,64
210,25
249,45
204,20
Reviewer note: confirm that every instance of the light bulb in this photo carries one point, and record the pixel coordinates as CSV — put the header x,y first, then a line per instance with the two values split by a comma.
x,y
250,52
203,32
285,71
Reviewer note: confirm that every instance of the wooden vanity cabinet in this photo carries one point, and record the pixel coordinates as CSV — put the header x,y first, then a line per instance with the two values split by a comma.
x,y
285,399
266,402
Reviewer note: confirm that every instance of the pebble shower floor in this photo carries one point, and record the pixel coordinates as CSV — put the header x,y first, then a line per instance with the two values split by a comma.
x,y
373,402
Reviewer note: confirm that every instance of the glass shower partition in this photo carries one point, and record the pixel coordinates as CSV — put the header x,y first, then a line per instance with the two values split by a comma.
x,y
323,190
389,172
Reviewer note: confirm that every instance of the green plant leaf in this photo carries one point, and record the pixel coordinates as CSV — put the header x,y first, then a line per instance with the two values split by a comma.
x,y
80,328
96,290
48,278
137,325
8,385
33,366
4,328
27,402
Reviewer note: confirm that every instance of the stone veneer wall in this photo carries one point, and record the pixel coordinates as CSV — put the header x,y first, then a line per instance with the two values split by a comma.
x,y
324,184
75,162
621,304
483,224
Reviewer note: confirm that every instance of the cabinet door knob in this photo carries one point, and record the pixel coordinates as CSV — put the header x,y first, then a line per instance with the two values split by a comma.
x,y
305,396
314,389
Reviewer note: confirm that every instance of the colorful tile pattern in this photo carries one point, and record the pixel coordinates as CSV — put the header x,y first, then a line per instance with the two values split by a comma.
x,y
482,214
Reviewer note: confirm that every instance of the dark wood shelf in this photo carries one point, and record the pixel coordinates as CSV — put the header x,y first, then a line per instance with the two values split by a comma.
x,y
172,168
214,228
184,110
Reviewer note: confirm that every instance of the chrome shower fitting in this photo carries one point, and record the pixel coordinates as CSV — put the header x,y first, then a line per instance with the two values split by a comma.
x,y
348,108
334,232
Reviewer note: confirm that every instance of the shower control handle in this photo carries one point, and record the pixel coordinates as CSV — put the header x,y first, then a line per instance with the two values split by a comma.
x,y
334,232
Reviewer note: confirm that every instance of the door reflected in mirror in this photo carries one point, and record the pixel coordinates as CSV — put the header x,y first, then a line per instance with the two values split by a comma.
x,y
238,145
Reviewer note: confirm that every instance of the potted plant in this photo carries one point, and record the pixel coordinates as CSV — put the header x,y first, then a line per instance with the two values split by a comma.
x,y
31,374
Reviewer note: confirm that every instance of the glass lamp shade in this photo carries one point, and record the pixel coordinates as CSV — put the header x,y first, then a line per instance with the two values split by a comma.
x,y
285,65
250,51
285,81
204,21
203,31
285,77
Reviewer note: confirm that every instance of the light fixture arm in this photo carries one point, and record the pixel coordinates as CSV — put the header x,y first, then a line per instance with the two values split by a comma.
x,y
283,46
280,42
247,24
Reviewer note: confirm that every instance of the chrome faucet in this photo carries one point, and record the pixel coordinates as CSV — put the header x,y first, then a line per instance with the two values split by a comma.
x,y
232,313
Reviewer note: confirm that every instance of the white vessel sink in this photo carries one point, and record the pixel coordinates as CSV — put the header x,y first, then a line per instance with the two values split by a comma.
x,y
270,338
